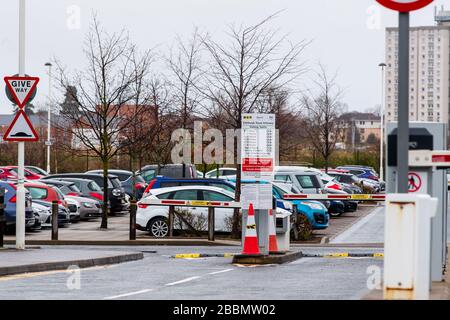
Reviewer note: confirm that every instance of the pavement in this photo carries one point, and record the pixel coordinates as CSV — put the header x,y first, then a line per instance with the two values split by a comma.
x,y
39,259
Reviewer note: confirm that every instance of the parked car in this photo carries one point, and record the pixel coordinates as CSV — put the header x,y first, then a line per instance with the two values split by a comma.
x,y
164,182
63,213
43,213
348,180
361,172
37,170
126,179
43,192
167,170
7,175
222,173
87,207
154,218
12,171
315,211
88,188
306,180
116,194
74,209
10,207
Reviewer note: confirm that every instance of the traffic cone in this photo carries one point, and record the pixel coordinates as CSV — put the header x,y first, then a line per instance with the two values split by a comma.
x,y
251,239
273,245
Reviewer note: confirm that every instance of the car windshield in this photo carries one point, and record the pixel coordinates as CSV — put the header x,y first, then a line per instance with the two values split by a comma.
x,y
148,175
93,186
307,182
74,188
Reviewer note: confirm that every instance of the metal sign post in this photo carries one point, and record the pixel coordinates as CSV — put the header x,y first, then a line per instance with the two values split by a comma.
x,y
20,206
257,163
403,103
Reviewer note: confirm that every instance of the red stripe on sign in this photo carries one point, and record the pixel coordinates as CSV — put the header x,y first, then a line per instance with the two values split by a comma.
x,y
172,202
257,165
378,197
440,158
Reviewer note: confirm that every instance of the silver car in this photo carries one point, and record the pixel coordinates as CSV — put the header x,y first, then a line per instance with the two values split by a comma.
x,y
88,208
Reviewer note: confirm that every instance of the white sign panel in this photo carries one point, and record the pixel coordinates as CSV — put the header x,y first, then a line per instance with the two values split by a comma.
x,y
258,146
260,195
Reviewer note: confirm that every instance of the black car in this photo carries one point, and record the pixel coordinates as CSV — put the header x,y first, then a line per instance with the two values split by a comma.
x,y
126,179
116,194
348,180
149,172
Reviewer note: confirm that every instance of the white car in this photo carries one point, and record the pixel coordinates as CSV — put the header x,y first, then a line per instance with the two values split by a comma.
x,y
43,213
154,219
222,173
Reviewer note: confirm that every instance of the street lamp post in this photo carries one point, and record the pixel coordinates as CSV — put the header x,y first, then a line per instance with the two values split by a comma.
x,y
383,66
49,65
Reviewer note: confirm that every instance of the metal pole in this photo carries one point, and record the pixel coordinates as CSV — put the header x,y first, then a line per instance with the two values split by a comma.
x,y
382,65
2,216
49,116
20,206
133,209
211,224
171,218
55,208
403,104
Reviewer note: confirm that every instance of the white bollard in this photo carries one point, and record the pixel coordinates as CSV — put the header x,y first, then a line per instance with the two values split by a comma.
x,y
407,246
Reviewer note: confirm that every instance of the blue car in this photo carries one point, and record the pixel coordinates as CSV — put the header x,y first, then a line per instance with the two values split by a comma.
x,y
315,211
10,208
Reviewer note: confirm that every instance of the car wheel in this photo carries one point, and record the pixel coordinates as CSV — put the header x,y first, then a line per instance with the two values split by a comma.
x,y
158,227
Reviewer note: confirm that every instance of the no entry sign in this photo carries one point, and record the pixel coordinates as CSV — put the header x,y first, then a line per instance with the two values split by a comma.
x,y
405,5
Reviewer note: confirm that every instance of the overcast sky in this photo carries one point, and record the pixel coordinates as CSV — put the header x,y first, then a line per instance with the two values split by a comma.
x,y
347,35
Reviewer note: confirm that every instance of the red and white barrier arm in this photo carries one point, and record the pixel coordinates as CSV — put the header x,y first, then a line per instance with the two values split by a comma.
x,y
352,197
426,158
189,203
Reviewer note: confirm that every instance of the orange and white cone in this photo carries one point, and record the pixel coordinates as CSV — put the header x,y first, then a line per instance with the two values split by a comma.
x,y
273,245
251,239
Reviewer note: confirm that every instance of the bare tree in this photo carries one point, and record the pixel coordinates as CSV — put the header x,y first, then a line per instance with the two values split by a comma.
x,y
105,88
185,70
323,107
242,70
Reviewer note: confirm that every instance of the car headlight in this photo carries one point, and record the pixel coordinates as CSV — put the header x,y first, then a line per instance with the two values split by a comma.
x,y
116,193
288,205
87,205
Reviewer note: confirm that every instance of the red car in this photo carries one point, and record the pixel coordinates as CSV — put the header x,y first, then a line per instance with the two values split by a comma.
x,y
12,172
7,175
47,193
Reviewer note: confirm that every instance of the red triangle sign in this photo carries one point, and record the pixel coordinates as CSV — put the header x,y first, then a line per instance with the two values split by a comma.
x,y
21,88
21,129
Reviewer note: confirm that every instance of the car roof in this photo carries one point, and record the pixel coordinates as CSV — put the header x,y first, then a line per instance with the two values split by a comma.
x,y
110,170
71,179
164,178
170,189
79,175
296,170
62,182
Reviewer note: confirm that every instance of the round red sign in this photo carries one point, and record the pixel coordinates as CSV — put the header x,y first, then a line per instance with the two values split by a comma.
x,y
405,5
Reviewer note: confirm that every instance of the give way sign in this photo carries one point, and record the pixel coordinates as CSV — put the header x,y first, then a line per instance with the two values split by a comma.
x,y
405,5
21,88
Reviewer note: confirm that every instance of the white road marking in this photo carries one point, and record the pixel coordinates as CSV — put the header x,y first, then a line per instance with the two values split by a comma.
x,y
182,281
222,271
128,294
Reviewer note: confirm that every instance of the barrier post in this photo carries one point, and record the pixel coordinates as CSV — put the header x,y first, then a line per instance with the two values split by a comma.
x,y
2,216
211,223
295,220
171,218
133,209
55,208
